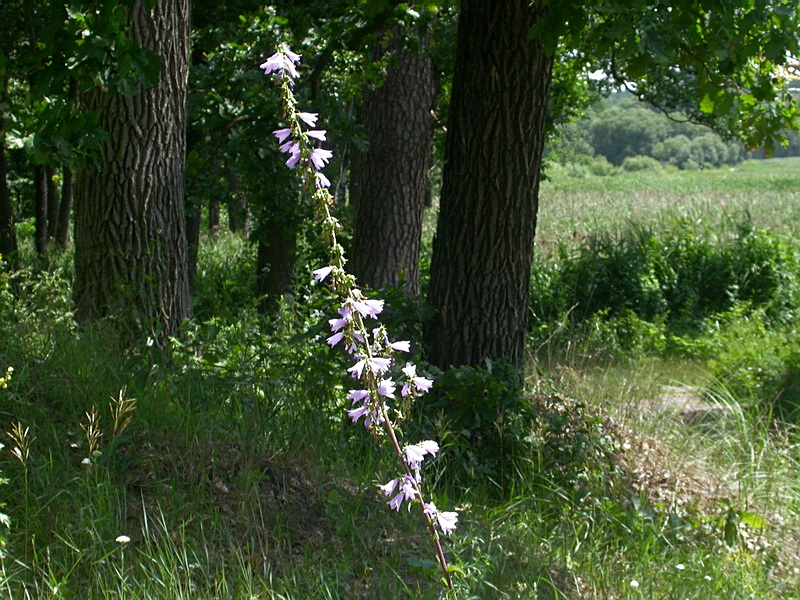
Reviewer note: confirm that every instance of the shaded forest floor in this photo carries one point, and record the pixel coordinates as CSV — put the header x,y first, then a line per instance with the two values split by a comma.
x,y
646,458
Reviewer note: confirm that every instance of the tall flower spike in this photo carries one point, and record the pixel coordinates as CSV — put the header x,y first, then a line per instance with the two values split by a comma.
x,y
373,353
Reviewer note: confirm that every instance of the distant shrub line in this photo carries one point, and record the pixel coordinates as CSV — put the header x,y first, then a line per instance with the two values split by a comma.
x,y
727,298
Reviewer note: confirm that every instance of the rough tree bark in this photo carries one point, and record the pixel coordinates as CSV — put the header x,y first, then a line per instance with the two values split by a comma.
x,y
388,181
8,233
213,215
65,209
238,221
275,264
482,251
40,211
192,211
130,239
53,201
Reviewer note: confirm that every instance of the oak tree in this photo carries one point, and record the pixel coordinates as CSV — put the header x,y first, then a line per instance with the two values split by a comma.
x,y
721,62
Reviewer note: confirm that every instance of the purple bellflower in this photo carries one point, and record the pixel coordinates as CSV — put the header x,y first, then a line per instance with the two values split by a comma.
x,y
373,353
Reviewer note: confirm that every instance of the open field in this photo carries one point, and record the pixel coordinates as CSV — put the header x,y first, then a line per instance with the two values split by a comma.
x,y
767,191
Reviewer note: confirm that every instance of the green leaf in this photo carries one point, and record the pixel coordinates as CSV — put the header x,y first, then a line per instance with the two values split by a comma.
x,y
707,105
753,520
637,66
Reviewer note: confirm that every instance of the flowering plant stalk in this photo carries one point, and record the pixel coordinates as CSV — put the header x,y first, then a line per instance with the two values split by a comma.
x,y
376,401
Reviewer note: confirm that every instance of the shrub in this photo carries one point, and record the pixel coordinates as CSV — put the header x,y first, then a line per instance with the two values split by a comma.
x,y
619,133
676,280
709,149
640,163
673,151
226,277
489,418
601,167
497,433
756,363
624,335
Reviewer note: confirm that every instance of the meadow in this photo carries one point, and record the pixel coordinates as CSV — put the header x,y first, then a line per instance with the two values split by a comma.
x,y
653,453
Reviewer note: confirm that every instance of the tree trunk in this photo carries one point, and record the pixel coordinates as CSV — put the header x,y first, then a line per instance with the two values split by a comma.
x,y
388,181
237,206
64,210
130,238
482,251
213,215
40,211
275,263
53,201
8,233
192,241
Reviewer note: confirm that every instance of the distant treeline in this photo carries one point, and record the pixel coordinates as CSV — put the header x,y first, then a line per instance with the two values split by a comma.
x,y
621,132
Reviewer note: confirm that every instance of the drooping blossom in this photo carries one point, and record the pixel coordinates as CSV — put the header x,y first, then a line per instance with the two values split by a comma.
x,y
308,118
368,308
321,274
282,134
377,364
359,412
404,346
415,453
283,63
317,134
388,488
396,502
320,158
386,388
337,324
322,181
290,147
294,159
356,395
446,519
335,339
408,491
414,382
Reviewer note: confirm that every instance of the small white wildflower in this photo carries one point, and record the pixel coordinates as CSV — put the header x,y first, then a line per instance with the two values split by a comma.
x,y
123,539
707,577
86,461
680,566
634,583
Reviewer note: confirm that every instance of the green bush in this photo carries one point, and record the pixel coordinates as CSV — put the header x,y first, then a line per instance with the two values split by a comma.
x,y
676,279
226,277
488,418
494,433
640,163
619,133
709,150
755,362
673,151
624,335
601,167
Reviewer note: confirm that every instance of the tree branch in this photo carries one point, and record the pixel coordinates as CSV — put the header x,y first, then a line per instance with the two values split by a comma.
x,y
353,43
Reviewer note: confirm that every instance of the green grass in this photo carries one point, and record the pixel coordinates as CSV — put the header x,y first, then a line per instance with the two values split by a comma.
x,y
238,476
767,191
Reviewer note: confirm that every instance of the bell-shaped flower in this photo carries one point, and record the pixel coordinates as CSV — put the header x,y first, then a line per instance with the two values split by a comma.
x,y
320,158
321,274
368,308
282,63
282,134
309,119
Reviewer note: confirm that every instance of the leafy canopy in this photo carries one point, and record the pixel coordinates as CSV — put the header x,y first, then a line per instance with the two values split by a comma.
x,y
724,63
